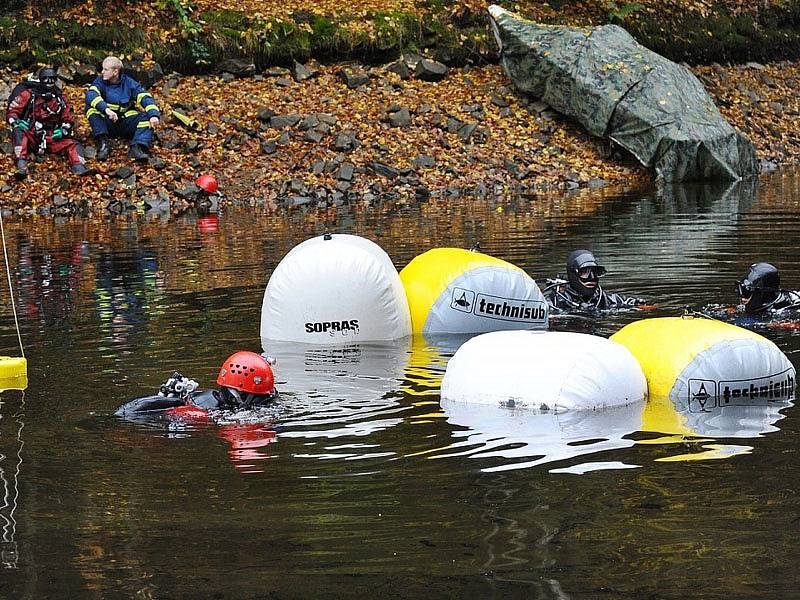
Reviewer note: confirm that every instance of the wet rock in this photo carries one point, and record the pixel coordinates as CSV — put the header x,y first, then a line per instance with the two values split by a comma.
x,y
430,70
240,67
353,78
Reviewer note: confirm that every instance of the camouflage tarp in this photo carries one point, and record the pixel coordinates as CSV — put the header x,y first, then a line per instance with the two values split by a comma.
x,y
618,89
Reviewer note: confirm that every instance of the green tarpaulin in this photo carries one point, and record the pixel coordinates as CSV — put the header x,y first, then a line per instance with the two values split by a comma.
x,y
620,90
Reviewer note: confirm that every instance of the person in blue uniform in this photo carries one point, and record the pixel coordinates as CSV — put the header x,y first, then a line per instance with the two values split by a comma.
x,y
761,294
245,378
581,290
118,106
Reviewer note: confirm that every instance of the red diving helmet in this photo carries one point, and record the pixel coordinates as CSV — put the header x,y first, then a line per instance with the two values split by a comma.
x,y
247,372
207,183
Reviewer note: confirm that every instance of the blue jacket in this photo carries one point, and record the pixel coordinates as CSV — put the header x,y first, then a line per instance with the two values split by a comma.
x,y
125,98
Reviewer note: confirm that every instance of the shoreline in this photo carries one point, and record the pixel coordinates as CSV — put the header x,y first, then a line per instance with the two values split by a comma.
x,y
348,133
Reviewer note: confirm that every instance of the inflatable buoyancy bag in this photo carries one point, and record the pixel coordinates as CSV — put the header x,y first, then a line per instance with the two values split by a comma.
x,y
688,358
335,289
457,291
544,371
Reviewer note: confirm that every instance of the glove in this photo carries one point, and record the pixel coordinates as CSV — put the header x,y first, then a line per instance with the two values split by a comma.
x,y
21,124
59,134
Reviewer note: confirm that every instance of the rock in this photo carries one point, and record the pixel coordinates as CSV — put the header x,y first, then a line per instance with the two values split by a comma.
x,y
277,72
353,78
240,67
313,136
345,172
130,181
228,77
191,147
755,65
385,170
147,76
399,67
159,164
466,131
284,138
401,118
265,114
424,161
123,172
777,108
498,100
60,201
269,147
310,122
6,148
301,72
213,128
453,125
284,82
431,70
345,141
596,183
169,86
284,121
79,74
318,167
538,107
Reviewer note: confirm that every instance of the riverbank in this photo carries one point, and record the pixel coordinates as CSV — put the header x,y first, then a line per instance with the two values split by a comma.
x,y
319,142
317,135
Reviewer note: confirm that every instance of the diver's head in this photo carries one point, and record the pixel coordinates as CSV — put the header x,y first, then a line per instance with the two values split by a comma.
x,y
47,78
759,287
248,378
583,272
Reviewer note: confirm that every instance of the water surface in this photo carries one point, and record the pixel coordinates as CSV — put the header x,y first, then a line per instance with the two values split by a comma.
x,y
358,482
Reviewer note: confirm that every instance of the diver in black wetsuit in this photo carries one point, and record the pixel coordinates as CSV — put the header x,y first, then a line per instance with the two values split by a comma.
x,y
246,381
581,291
761,293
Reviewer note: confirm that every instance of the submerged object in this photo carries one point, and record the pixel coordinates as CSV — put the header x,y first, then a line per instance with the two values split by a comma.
x,y
13,373
707,361
618,89
452,290
544,371
335,289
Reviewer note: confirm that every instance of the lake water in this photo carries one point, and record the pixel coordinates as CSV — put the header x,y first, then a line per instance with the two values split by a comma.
x,y
358,482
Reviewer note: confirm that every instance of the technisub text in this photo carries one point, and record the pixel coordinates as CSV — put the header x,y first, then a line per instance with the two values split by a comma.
x,y
783,388
332,327
494,307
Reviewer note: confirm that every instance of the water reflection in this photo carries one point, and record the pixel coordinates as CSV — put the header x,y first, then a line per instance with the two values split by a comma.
x,y
12,422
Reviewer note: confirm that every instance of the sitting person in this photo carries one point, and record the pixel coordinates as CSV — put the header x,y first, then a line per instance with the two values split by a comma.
x,y
41,120
111,107
581,290
760,291
245,378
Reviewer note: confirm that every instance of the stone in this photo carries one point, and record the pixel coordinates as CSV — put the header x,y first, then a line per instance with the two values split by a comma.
x,y
313,136
265,114
353,78
400,68
345,172
240,67
301,72
385,170
431,70
345,141
284,121
466,131
123,172
424,161
401,118
228,77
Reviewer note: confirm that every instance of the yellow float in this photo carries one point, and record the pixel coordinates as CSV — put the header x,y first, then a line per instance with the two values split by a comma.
x,y
452,290
13,373
707,362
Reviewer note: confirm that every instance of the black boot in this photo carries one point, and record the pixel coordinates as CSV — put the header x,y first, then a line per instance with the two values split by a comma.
x,y
104,149
22,169
137,153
